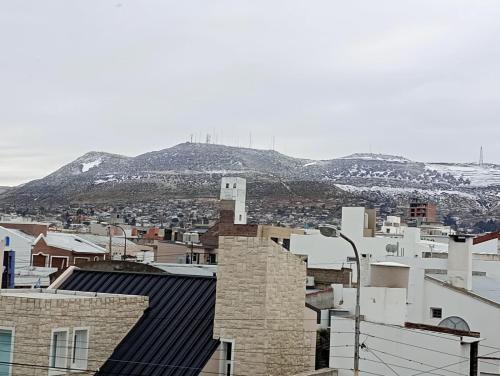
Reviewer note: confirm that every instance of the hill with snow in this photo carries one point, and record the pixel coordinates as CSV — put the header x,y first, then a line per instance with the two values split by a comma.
x,y
191,170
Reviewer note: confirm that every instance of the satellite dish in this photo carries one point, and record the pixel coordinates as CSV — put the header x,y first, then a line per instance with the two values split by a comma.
x,y
391,248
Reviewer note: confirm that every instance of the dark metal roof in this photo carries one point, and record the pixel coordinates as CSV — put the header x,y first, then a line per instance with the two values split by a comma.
x,y
175,334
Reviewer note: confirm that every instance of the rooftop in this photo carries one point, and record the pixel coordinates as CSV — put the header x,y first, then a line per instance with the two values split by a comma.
x,y
71,242
486,287
180,343
53,294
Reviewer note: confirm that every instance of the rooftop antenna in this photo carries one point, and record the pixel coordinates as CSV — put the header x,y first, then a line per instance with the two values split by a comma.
x,y
481,157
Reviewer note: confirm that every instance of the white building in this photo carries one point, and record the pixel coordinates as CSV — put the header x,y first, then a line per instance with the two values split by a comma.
x,y
461,292
234,189
392,225
21,243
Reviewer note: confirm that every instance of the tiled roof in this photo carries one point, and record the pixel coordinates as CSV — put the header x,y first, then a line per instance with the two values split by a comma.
x,y
175,334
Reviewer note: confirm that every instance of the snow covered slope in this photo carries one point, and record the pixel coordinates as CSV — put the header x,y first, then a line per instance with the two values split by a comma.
x,y
478,176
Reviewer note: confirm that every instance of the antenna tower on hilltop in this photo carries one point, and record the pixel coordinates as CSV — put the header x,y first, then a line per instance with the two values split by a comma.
x,y
481,157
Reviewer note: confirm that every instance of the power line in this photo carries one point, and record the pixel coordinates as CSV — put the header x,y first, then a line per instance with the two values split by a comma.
x,y
376,356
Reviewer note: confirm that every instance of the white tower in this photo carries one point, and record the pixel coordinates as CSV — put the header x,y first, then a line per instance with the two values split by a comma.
x,y
235,189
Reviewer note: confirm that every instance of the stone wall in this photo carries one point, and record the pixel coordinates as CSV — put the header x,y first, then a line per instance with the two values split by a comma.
x,y
260,305
108,319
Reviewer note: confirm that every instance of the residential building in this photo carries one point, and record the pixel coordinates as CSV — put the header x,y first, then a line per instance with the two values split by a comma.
x,y
49,332
118,246
174,336
460,293
422,211
60,250
261,305
233,190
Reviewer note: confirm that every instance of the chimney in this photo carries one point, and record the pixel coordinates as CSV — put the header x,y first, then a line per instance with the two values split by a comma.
x,y
460,261
365,265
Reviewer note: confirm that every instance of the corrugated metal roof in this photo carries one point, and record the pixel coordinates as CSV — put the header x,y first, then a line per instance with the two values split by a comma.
x,y
175,334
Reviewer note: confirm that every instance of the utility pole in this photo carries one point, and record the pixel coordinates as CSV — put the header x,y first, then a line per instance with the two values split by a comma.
x,y
110,241
474,348
332,232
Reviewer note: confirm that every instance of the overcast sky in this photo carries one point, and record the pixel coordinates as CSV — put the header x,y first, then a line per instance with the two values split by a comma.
x,y
326,78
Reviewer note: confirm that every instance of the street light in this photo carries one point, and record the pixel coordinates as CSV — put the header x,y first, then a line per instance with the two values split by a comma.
x,y
124,240
332,232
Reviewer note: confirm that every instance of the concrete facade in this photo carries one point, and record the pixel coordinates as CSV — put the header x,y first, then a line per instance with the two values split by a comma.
x,y
235,189
261,307
393,350
33,315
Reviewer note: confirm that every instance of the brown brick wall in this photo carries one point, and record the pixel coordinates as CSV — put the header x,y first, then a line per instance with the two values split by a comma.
x,y
42,247
33,229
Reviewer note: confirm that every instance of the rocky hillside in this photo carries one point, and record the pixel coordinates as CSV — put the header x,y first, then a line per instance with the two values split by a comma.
x,y
192,170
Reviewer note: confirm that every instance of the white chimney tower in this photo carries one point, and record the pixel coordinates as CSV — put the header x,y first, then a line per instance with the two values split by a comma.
x,y
460,261
235,189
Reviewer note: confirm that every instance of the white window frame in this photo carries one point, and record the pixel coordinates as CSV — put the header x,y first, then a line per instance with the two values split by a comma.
x,y
223,361
47,258
80,258
59,257
12,330
58,371
86,348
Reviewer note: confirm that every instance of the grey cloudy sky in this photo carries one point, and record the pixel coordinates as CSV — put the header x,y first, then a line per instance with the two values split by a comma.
x,y
327,78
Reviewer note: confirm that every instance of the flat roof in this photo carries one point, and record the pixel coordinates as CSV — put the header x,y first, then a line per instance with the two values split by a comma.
x,y
390,263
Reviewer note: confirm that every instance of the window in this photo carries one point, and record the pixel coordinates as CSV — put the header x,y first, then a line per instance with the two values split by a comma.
x,y
79,351
234,185
58,351
227,361
455,322
212,259
436,313
227,185
6,351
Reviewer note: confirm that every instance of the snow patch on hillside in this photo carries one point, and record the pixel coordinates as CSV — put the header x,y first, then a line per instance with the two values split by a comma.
x,y
310,164
377,157
395,191
89,165
479,176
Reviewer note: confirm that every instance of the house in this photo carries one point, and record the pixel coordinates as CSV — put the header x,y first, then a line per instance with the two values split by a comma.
x,y
459,295
55,332
174,334
21,237
118,246
261,305
61,250
19,242
204,324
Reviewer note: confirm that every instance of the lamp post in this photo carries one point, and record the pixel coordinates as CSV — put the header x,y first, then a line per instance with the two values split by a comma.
x,y
332,232
124,240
